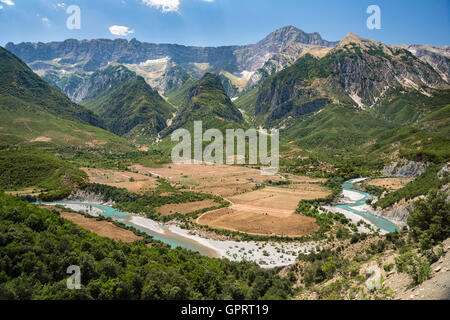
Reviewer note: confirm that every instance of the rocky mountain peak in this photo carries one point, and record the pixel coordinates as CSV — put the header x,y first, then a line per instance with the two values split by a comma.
x,y
286,36
352,38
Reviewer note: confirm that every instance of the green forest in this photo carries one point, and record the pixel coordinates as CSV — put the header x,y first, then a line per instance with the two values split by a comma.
x,y
37,246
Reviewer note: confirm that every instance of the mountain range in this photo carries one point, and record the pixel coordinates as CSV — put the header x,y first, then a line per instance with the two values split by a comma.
x,y
292,80
66,64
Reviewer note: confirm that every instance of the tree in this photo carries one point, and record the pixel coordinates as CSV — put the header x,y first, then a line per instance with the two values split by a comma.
x,y
430,219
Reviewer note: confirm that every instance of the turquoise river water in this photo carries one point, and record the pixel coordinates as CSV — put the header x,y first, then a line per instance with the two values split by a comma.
x,y
378,221
175,240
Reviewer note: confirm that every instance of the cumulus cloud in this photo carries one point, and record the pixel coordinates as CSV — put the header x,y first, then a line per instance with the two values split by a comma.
x,y
163,5
120,30
7,2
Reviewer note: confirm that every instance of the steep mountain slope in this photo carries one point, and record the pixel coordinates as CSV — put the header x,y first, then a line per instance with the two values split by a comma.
x,y
101,81
357,71
369,68
207,101
437,57
288,40
66,64
128,105
31,111
19,81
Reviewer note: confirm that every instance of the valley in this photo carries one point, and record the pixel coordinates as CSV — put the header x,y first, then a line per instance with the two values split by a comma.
x,y
361,194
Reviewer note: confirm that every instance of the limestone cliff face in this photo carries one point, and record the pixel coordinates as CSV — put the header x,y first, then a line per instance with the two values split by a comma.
x,y
397,214
405,168
437,57
284,43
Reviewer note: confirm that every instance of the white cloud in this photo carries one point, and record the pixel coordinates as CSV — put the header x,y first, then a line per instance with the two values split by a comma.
x,y
7,2
1,7
167,5
120,30
61,5
163,5
46,21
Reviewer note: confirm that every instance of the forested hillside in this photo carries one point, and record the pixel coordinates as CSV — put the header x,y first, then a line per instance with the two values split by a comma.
x,y
37,246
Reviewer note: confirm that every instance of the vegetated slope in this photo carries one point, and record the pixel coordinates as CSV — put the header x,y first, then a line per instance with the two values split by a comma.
x,y
361,266
177,97
246,102
32,168
207,101
37,247
18,81
34,112
429,180
338,127
437,122
128,105
104,80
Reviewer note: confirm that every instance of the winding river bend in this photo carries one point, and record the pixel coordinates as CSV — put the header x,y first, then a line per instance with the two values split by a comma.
x,y
357,206
266,254
281,254
152,228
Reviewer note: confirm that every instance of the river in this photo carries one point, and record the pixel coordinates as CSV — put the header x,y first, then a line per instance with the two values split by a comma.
x,y
356,205
154,229
280,253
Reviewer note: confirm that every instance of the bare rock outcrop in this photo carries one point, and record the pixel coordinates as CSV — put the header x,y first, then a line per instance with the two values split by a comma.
x,y
405,169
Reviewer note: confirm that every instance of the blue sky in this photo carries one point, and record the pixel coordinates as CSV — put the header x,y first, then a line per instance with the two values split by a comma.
x,y
223,22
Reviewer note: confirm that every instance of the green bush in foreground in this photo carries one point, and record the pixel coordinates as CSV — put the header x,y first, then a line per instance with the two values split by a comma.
x,y
416,266
430,220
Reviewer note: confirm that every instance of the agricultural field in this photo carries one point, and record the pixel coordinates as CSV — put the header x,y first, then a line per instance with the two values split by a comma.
x,y
102,228
133,182
259,221
184,208
221,180
260,205
391,184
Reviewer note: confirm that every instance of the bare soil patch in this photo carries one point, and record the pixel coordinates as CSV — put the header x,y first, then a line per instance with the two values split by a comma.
x,y
185,208
133,182
101,228
390,183
41,139
259,221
